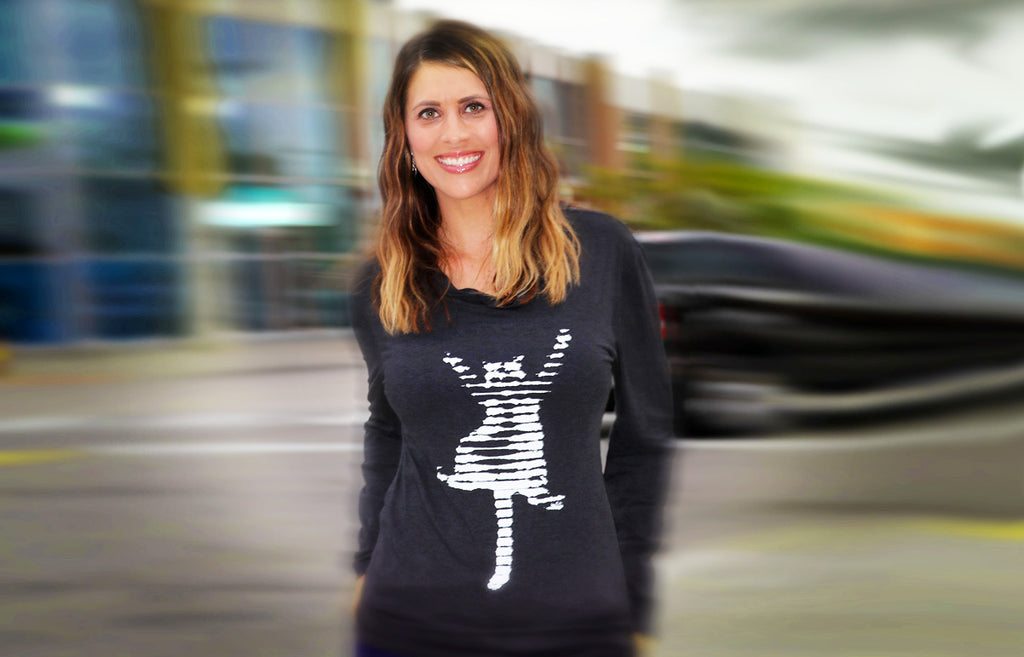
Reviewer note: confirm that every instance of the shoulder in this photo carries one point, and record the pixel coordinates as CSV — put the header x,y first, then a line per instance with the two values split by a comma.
x,y
600,232
593,222
365,275
361,295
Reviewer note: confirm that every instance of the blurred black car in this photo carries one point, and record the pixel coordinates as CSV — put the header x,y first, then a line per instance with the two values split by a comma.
x,y
766,335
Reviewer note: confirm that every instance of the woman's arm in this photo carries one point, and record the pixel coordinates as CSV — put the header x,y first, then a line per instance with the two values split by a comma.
x,y
382,438
639,450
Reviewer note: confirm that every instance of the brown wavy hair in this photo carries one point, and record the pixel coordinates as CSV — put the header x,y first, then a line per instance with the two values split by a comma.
x,y
534,248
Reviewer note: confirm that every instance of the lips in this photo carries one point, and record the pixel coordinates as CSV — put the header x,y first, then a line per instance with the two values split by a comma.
x,y
459,162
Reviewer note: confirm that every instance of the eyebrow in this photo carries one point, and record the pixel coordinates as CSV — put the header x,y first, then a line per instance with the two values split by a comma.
x,y
427,103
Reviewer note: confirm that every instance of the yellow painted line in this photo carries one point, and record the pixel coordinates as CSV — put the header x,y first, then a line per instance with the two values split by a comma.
x,y
32,456
1002,530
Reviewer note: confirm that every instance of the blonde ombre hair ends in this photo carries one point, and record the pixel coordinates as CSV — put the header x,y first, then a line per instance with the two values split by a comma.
x,y
534,250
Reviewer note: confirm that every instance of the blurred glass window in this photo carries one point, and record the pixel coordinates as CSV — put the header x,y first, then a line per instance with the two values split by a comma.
x,y
128,215
253,59
573,117
636,134
110,129
283,219
24,131
14,48
338,230
274,293
545,90
134,298
17,209
572,110
290,141
565,125
27,303
381,62
100,42
20,104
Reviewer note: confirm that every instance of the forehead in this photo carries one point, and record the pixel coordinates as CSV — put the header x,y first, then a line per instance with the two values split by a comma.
x,y
440,82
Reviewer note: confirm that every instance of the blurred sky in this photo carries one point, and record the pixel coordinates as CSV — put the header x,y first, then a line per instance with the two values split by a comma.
x,y
931,91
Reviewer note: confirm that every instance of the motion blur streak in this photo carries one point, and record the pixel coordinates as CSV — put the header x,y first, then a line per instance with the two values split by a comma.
x,y
829,197
31,456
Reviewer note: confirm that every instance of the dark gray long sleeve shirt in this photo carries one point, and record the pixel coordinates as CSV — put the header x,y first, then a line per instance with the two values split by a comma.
x,y
488,526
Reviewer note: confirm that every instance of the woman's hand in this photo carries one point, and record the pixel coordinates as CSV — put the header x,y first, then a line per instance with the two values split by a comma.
x,y
357,594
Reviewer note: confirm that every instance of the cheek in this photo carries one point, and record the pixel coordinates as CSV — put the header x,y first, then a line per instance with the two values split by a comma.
x,y
492,133
417,140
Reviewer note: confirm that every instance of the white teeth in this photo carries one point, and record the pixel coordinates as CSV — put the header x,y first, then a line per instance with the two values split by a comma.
x,y
458,161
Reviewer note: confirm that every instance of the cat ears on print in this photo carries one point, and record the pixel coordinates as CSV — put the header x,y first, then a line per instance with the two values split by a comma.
x,y
513,368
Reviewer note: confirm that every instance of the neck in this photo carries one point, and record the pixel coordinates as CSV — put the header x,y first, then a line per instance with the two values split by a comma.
x,y
468,236
467,229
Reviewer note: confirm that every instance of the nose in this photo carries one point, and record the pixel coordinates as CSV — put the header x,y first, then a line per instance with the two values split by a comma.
x,y
455,130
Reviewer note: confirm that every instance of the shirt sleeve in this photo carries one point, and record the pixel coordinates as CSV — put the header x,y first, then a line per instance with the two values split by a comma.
x,y
638,461
382,438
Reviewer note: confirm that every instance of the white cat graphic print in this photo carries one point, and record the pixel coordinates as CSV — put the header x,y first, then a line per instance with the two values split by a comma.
x,y
505,454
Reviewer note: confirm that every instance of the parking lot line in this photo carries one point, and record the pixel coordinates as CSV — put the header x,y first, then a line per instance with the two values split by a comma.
x,y
32,456
993,529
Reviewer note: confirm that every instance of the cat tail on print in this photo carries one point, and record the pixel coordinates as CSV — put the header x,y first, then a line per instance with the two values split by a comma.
x,y
503,546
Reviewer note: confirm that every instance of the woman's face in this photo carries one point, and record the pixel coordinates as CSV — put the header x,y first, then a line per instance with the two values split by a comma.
x,y
453,134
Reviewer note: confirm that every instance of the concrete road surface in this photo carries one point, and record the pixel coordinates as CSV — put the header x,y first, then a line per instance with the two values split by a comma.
x,y
211,513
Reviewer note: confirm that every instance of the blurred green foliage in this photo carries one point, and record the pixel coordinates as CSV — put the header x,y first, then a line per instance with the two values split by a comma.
x,y
19,136
726,196
733,196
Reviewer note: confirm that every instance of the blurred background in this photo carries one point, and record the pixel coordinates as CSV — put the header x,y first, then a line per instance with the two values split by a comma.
x,y
182,169
830,196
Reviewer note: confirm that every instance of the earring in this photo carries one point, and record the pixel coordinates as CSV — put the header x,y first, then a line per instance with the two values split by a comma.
x,y
413,161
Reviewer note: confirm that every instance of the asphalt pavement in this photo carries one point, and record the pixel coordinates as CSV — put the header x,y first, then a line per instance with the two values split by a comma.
x,y
196,498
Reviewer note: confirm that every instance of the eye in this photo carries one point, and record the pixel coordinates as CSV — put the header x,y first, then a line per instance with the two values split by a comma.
x,y
475,107
428,113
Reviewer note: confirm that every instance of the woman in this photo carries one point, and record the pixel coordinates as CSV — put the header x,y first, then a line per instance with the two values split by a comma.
x,y
493,324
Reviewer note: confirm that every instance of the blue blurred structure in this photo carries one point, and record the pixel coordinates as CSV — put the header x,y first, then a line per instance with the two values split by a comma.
x,y
174,170
129,130
181,170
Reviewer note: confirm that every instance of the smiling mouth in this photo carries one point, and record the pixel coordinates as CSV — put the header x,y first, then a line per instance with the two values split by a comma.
x,y
459,164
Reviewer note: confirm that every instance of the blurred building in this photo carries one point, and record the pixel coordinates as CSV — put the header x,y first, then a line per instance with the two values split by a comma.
x,y
179,168
172,167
